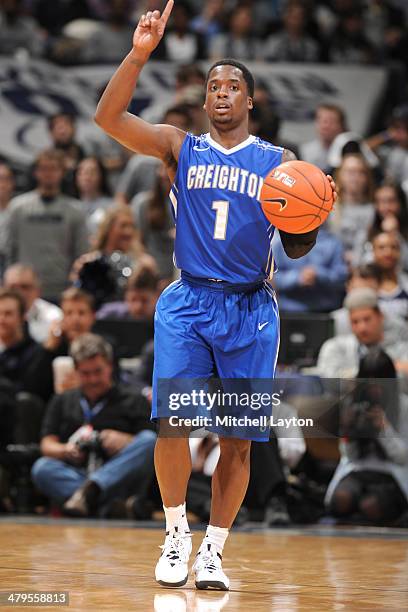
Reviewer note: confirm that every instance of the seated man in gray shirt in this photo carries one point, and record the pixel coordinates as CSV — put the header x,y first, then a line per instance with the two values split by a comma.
x,y
368,275
339,357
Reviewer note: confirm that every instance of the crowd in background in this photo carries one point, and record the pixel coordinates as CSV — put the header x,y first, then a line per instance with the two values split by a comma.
x,y
338,31
86,238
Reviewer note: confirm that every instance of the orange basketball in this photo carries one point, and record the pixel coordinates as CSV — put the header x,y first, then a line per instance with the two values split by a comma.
x,y
296,197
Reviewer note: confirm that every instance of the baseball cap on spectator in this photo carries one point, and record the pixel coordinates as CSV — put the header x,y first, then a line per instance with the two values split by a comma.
x,y
363,297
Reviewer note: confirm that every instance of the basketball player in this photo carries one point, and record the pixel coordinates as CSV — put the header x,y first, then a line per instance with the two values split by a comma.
x,y
222,313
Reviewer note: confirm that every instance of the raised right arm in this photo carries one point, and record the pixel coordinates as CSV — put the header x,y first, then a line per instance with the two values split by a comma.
x,y
162,141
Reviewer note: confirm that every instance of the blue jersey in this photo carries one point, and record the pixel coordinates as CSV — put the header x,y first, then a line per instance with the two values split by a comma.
x,y
222,232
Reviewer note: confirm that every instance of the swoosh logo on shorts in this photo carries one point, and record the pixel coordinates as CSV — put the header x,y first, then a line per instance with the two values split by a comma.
x,y
262,325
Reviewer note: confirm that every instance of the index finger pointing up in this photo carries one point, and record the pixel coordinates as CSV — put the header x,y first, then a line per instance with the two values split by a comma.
x,y
167,11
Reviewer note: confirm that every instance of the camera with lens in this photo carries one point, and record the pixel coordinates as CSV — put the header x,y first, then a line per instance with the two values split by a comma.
x,y
106,277
360,425
91,444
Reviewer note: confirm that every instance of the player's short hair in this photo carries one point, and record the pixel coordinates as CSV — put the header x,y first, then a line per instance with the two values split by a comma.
x,y
248,78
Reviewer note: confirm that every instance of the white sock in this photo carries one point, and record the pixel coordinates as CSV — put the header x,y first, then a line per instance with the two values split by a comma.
x,y
215,536
176,517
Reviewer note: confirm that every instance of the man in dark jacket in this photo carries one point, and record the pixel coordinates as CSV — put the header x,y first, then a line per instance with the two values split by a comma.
x,y
117,427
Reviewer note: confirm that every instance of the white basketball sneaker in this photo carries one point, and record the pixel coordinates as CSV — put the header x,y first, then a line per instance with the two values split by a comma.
x,y
208,569
172,566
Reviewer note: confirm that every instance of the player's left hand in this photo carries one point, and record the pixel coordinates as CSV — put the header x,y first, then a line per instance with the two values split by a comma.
x,y
333,186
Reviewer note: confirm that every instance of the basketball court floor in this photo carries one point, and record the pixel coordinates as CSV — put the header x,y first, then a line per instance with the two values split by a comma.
x,y
110,566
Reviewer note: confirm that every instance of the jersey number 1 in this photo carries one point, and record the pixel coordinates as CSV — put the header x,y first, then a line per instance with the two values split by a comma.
x,y
221,219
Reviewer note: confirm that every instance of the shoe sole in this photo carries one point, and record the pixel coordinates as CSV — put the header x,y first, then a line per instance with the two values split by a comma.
x,y
211,584
173,584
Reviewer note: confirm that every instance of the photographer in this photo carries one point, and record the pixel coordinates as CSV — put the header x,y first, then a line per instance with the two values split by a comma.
x,y
122,441
371,480
104,271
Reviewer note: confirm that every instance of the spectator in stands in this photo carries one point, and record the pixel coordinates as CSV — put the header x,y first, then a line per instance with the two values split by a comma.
x,y
391,215
354,211
7,186
330,121
369,275
265,123
292,44
62,131
119,416
104,271
155,224
113,39
339,357
186,75
52,16
140,172
47,229
93,191
393,289
78,309
371,480
40,314
392,146
351,142
18,350
18,31
209,22
240,40
181,44
349,44
141,295
314,283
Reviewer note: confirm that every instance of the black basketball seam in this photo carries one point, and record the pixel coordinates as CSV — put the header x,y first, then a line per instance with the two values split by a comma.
x,y
308,180
296,196
293,216
298,217
324,197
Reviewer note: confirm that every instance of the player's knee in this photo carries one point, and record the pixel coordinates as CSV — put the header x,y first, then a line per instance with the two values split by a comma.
x,y
233,446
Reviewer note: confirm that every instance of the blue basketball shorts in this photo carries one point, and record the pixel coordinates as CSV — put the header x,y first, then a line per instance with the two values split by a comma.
x,y
200,330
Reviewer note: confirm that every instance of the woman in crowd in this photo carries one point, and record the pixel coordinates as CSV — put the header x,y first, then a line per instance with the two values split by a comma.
x,y
391,215
153,220
93,191
393,288
105,270
354,211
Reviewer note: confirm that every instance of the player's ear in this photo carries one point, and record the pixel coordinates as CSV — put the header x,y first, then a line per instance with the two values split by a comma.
x,y
250,103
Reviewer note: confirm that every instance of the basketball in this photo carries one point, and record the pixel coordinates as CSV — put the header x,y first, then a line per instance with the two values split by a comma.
x,y
296,197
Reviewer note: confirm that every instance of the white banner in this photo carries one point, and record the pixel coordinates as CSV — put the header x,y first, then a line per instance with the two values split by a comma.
x,y
32,90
